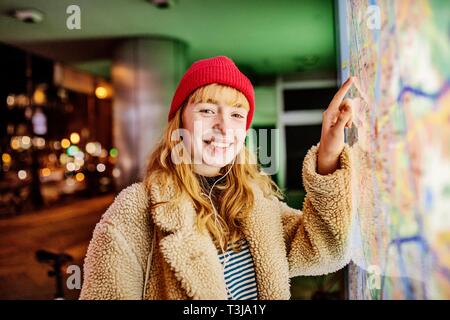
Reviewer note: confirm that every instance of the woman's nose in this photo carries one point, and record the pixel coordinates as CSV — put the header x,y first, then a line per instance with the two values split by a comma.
x,y
221,123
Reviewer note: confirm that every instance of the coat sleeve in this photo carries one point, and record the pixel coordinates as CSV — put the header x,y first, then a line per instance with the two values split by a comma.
x,y
117,253
317,237
111,269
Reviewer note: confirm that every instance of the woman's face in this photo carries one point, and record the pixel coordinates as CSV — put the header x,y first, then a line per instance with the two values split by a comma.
x,y
216,134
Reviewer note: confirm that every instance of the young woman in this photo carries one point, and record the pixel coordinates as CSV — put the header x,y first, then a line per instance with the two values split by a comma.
x,y
206,222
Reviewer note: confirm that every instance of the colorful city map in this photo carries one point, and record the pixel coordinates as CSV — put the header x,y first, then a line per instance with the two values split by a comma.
x,y
400,53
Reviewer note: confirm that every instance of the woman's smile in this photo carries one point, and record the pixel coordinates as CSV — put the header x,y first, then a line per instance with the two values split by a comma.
x,y
217,147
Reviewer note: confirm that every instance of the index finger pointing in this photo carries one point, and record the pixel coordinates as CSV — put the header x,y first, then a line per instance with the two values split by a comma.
x,y
340,94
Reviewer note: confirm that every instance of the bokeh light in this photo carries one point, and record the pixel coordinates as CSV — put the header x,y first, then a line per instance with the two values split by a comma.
x,y
45,172
113,152
72,150
101,167
65,143
101,92
79,176
22,174
74,137
70,166
6,158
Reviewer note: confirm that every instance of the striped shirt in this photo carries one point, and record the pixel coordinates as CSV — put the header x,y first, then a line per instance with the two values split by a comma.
x,y
239,273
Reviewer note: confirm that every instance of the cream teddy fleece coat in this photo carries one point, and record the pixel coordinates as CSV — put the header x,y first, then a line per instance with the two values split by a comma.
x,y
284,242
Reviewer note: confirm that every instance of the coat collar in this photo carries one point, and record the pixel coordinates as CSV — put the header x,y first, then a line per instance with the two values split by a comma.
x,y
193,255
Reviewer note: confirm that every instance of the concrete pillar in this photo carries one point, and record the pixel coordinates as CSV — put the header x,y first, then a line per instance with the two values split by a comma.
x,y
145,73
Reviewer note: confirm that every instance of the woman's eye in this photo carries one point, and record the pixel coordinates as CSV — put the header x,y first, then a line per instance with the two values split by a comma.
x,y
207,111
240,116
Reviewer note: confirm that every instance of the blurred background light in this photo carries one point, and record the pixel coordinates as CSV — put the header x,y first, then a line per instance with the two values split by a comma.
x,y
75,138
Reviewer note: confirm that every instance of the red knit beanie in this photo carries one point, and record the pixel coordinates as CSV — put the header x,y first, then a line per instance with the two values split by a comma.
x,y
221,70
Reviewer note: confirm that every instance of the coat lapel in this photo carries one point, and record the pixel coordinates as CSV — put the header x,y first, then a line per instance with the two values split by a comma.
x,y
193,255
264,233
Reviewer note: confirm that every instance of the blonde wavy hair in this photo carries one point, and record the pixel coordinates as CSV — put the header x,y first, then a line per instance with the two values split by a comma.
x,y
236,194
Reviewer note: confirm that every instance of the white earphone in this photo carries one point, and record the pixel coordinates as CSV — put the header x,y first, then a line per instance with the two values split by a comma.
x,y
225,258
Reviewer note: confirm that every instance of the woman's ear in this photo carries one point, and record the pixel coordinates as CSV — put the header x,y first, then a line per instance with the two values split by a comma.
x,y
182,110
